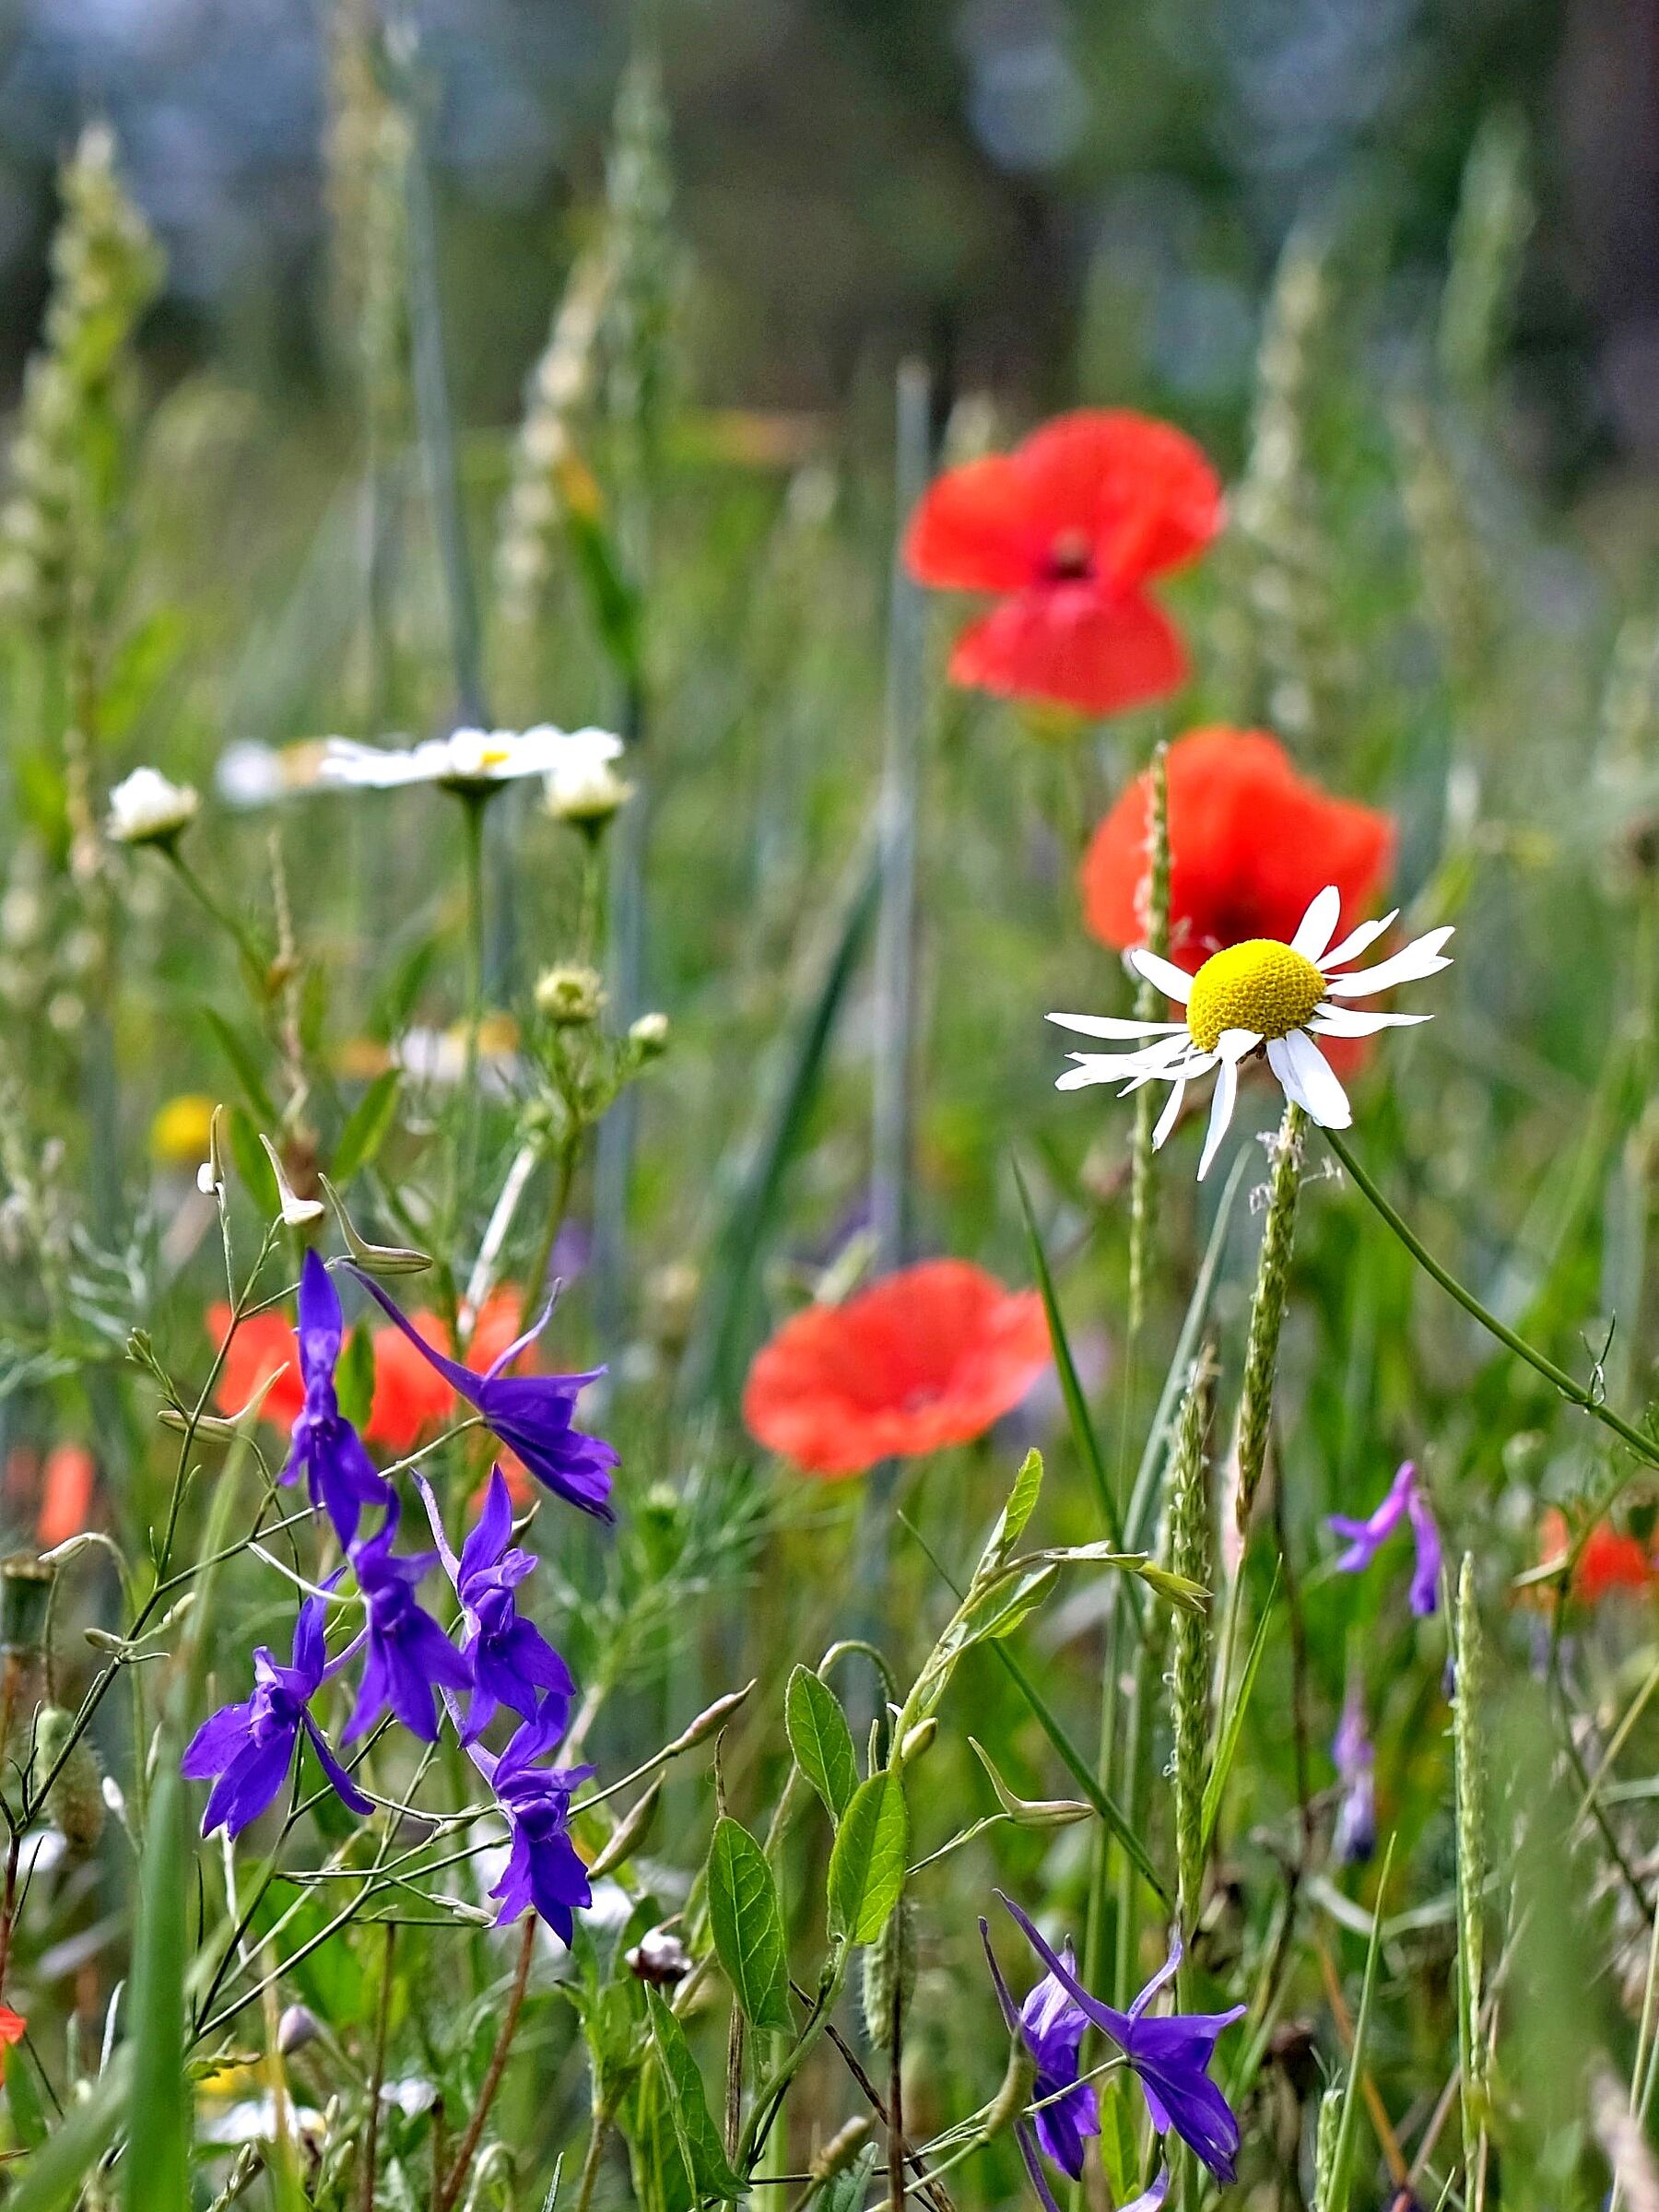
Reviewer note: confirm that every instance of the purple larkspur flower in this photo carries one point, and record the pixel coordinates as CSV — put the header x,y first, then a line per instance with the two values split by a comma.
x,y
250,1746
325,1447
1405,1500
1353,1836
511,1660
1052,2024
533,1415
1169,2056
544,1869
410,1658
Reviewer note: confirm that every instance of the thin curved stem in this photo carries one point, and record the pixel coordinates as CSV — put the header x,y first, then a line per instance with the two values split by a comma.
x,y
1579,1394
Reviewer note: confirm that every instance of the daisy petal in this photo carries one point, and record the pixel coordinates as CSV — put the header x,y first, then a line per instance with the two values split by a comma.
x,y
1357,941
1345,1022
1322,1094
1221,1110
1422,957
1237,1044
1174,982
1170,1114
1314,931
1114,1025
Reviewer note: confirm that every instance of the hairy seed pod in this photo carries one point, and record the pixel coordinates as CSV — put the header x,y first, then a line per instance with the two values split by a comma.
x,y
840,2150
889,1973
75,1803
1267,1311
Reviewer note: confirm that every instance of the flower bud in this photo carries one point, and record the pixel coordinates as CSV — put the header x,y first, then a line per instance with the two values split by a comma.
x,y
649,1035
569,997
145,810
586,791
708,1723
297,2027
660,1958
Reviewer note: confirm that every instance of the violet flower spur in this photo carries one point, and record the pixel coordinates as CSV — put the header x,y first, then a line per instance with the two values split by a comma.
x,y
339,1471
531,1414
250,1746
410,1658
1169,2056
544,1869
1051,2026
1353,1836
1405,1500
511,1662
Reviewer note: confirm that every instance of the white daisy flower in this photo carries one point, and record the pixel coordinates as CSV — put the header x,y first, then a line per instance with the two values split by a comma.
x,y
469,760
147,809
1263,992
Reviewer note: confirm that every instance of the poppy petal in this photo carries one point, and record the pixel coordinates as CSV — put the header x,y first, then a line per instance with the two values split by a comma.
x,y
1080,645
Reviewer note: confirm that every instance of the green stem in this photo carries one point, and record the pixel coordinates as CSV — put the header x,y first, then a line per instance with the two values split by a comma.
x,y
1581,1395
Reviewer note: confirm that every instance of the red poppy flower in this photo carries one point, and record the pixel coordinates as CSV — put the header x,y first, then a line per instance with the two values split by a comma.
x,y
13,2028
1067,529
66,1488
1250,842
1611,1561
928,1357
264,1344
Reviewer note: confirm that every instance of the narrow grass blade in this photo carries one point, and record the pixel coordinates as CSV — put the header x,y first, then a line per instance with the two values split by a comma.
x,y
754,1176
1227,1744
157,2167
1071,1388
1342,2163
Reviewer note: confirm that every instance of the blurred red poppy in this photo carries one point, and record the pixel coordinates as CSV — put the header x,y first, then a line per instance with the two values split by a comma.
x,y
1611,1561
1250,842
13,2028
925,1358
66,1487
1066,531
264,1344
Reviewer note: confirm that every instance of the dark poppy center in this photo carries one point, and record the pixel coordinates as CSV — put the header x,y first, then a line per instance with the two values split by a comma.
x,y
1071,558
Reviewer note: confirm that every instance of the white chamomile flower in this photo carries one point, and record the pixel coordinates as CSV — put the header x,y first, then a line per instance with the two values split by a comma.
x,y
585,791
147,809
469,760
1260,994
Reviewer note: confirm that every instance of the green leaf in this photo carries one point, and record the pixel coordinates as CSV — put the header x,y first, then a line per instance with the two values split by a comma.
x,y
52,2179
23,2102
367,1126
1071,1388
244,1065
156,2166
820,1739
747,1926
687,2107
866,1865
846,2191
1011,1521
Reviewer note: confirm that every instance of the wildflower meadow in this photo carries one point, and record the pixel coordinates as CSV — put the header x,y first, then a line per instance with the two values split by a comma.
x,y
826,1360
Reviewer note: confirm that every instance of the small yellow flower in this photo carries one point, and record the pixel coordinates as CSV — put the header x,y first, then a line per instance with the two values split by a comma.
x,y
179,1133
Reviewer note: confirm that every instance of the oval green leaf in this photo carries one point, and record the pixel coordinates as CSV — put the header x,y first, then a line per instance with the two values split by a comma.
x,y
866,1866
747,1926
820,1739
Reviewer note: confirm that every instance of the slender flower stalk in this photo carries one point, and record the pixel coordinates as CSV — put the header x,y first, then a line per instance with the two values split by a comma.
x,y
1267,1311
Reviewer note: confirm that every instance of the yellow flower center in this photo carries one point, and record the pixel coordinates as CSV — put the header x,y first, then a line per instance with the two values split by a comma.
x,y
1260,985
